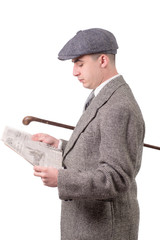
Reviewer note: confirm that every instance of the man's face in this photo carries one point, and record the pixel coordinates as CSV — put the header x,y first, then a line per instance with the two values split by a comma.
x,y
87,70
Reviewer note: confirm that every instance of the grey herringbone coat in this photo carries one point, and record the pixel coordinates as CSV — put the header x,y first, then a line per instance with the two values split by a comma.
x,y
101,160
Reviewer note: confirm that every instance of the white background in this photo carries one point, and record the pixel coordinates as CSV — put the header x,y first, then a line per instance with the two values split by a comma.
x,y
34,82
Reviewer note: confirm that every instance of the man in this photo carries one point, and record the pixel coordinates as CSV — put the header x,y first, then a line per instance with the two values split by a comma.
x,y
103,156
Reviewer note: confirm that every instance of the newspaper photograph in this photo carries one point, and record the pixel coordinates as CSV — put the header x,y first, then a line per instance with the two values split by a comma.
x,y
36,153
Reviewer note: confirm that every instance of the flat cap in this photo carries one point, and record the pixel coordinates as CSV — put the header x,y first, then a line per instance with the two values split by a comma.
x,y
90,41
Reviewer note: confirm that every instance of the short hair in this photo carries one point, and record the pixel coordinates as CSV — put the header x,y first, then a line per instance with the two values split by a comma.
x,y
111,57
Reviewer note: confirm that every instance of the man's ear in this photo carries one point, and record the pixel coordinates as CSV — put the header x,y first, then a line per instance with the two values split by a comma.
x,y
103,60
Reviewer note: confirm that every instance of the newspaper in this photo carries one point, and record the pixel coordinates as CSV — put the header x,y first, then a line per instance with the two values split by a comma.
x,y
36,153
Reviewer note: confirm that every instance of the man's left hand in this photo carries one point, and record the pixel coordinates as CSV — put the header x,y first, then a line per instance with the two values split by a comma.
x,y
48,175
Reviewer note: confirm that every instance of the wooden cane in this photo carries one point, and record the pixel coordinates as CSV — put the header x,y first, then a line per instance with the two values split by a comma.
x,y
28,119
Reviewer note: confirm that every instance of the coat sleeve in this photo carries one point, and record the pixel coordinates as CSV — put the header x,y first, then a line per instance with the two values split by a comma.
x,y
122,133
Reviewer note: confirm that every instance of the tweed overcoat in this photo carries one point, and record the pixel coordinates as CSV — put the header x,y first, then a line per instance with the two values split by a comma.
x,y
101,160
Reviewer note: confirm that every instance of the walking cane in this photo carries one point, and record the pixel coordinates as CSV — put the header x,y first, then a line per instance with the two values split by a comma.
x,y
28,119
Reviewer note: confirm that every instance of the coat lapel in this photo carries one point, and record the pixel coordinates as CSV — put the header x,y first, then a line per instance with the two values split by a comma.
x,y
90,113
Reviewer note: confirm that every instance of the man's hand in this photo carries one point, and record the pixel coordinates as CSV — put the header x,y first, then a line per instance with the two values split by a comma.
x,y
48,175
41,137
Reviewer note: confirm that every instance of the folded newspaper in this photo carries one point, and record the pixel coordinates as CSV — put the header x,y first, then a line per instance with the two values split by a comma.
x,y
37,153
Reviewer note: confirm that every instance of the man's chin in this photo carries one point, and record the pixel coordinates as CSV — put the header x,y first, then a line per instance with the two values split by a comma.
x,y
85,85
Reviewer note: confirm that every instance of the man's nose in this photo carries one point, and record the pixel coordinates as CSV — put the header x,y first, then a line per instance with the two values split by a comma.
x,y
75,71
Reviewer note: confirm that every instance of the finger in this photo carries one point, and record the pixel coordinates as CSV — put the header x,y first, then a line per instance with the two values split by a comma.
x,y
38,137
35,137
39,168
44,180
38,174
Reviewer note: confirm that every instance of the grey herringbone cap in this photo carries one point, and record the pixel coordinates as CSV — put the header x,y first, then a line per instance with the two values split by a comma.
x,y
90,41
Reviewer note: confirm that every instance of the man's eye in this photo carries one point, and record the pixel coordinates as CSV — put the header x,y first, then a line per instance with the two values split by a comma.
x,y
80,65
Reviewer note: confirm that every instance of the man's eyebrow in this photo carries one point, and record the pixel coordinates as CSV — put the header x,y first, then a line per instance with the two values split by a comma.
x,y
77,60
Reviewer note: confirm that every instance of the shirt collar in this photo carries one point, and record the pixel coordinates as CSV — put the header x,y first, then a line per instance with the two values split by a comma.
x,y
98,89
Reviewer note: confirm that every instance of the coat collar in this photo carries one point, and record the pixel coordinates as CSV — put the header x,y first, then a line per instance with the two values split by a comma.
x,y
102,97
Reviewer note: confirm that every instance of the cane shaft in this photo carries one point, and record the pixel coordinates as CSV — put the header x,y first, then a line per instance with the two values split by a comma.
x,y
151,146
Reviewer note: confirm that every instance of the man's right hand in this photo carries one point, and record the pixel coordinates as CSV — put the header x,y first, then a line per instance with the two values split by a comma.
x,y
42,137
